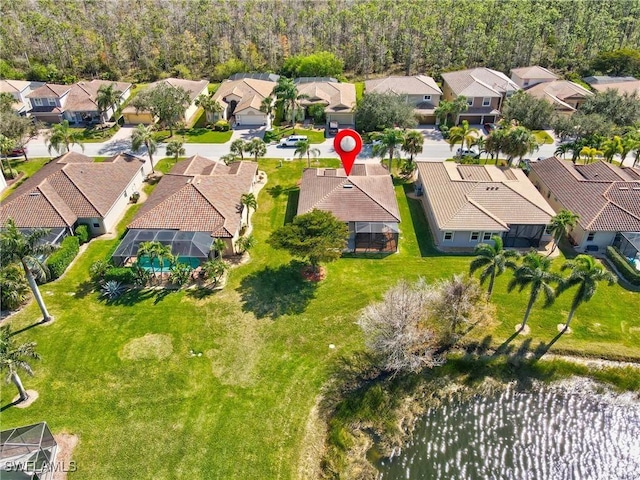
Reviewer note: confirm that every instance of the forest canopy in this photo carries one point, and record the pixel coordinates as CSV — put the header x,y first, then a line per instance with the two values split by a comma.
x,y
147,39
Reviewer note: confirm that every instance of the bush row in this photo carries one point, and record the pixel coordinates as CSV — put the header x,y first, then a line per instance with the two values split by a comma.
x,y
124,275
59,260
629,273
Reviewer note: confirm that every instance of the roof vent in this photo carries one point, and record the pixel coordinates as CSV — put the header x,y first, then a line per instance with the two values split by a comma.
x,y
347,185
623,188
636,188
34,194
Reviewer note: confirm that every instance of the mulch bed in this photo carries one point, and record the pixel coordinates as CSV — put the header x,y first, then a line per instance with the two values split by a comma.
x,y
310,275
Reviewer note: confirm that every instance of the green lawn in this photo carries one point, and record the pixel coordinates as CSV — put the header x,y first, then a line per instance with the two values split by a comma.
x,y
359,90
315,135
194,135
28,168
145,408
91,135
542,137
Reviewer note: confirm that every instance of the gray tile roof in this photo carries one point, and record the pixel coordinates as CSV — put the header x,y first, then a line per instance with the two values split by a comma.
x,y
605,197
535,72
479,82
413,85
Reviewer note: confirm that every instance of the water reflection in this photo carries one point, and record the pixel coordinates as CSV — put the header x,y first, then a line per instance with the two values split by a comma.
x,y
545,434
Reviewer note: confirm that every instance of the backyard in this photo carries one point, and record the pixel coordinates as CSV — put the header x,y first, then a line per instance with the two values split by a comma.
x,y
123,376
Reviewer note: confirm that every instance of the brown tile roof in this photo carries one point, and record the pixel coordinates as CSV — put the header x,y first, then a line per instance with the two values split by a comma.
x,y
13,86
337,97
608,201
481,197
559,92
479,82
413,85
622,87
534,72
49,90
199,195
83,95
74,187
193,87
251,91
371,197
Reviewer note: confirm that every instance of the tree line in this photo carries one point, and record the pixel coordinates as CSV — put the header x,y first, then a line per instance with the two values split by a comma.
x,y
143,40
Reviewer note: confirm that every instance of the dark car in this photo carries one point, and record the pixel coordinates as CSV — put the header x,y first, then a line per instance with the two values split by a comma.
x,y
18,152
489,127
333,128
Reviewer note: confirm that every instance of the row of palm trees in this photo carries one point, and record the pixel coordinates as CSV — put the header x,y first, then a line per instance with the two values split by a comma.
x,y
389,142
590,149
535,273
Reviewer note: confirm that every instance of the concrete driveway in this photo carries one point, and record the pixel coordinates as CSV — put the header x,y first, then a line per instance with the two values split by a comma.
x,y
247,133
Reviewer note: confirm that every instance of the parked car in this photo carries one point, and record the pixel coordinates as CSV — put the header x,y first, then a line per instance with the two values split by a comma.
x,y
333,128
490,127
292,140
18,152
468,152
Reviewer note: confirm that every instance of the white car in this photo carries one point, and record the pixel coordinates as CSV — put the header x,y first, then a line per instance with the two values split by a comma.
x,y
292,141
468,152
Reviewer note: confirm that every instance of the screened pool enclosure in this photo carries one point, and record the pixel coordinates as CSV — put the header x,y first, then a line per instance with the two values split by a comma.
x,y
190,247
373,237
27,453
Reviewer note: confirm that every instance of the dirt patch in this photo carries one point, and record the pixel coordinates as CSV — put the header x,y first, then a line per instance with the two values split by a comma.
x,y
311,275
33,396
152,346
313,445
66,443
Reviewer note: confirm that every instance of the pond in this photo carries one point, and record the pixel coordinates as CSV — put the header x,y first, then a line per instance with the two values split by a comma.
x,y
550,433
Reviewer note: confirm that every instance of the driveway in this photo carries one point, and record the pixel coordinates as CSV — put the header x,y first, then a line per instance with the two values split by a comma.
x,y
247,133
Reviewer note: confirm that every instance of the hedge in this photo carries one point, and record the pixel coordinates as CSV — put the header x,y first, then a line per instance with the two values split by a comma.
x,y
629,273
82,232
59,260
124,275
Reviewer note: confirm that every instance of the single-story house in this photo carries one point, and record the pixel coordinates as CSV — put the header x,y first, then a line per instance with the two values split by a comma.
x,y
468,204
192,87
338,99
19,89
365,201
606,198
242,96
603,79
526,77
622,85
73,189
484,89
75,103
420,91
198,202
565,96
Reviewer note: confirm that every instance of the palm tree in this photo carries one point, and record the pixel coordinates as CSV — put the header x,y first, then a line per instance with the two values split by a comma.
x,y
27,250
175,149
303,147
519,142
148,249
219,246
459,105
238,147
287,95
390,140
209,105
563,149
495,259
443,110
14,358
229,158
13,286
142,135
462,134
534,272
248,200
481,143
61,136
612,147
107,97
412,143
560,225
495,142
163,252
257,148
630,143
585,273
590,152
6,146
266,106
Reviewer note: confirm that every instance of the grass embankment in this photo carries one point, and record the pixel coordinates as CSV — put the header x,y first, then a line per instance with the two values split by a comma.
x,y
121,375
21,166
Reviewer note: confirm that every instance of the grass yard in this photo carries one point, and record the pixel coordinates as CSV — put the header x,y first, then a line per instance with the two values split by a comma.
x,y
91,135
542,137
27,167
194,135
314,135
122,378
359,90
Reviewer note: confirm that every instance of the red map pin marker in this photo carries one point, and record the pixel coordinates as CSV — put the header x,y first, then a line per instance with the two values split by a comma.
x,y
347,144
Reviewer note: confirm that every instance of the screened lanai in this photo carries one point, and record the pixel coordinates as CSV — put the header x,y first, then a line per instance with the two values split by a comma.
x,y
629,245
373,236
190,247
27,452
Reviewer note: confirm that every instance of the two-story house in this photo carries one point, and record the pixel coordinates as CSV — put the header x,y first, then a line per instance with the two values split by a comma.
x,y
19,89
484,89
526,77
419,91
338,99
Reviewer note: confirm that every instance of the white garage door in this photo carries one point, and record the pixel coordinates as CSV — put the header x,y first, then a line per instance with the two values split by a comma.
x,y
248,119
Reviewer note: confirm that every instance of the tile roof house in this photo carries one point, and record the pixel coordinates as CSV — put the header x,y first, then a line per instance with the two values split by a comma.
x,y
365,200
75,103
484,89
564,95
628,85
19,89
339,99
73,189
194,89
196,203
606,198
529,76
241,99
418,90
468,204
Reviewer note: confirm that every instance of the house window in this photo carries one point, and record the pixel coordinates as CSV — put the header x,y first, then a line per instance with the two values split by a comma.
x,y
124,194
591,236
96,225
470,102
486,102
475,236
37,102
51,102
487,236
448,236
427,98
526,83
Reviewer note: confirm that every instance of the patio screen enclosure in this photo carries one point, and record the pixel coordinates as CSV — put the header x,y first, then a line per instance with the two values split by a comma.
x,y
27,453
628,243
523,236
190,247
373,236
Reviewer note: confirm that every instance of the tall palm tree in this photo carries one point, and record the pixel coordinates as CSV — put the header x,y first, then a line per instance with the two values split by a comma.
x,y
534,272
412,143
481,143
585,274
27,250
107,97
13,286
303,147
238,147
612,147
560,225
495,142
462,134
149,250
209,105
266,106
257,148
6,146
142,135
631,142
390,140
443,110
15,358
248,200
563,149
591,153
175,149
287,95
495,260
163,252
519,142
62,137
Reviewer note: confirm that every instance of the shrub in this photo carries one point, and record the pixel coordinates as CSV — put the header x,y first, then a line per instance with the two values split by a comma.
x,y
628,272
180,273
59,260
120,274
444,130
98,269
214,269
135,196
245,243
13,287
141,276
271,136
82,232
221,126
112,290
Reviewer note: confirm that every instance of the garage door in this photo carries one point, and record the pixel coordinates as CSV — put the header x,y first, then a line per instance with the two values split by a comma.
x,y
472,119
247,119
